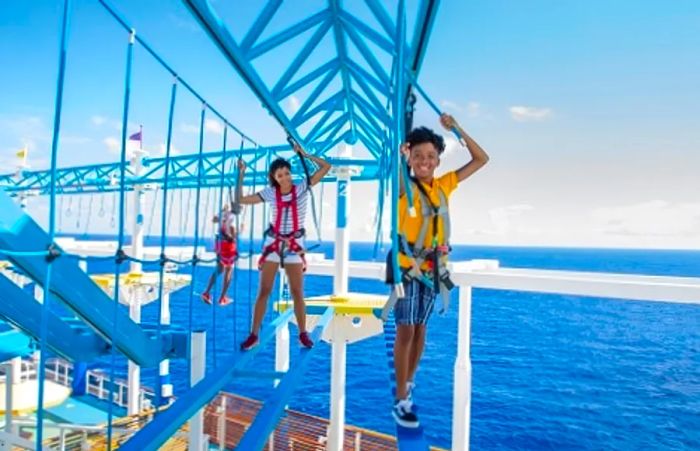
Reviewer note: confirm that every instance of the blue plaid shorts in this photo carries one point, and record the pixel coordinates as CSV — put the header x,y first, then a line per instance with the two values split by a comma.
x,y
416,305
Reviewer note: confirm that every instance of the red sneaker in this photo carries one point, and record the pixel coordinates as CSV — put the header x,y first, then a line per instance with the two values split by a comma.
x,y
250,342
225,300
206,297
305,340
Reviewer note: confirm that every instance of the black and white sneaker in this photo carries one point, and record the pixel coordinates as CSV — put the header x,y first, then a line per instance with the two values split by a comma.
x,y
403,415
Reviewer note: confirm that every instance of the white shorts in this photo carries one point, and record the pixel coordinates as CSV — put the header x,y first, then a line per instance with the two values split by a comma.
x,y
290,258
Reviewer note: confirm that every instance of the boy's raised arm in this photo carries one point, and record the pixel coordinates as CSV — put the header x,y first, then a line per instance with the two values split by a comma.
x,y
479,156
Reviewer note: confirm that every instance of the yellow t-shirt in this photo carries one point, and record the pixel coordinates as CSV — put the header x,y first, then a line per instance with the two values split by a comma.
x,y
410,227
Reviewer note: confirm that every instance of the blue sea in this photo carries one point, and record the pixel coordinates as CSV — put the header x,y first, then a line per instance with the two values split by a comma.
x,y
549,372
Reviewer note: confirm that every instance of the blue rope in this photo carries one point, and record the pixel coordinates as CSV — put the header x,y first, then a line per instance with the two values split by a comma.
x,y
120,238
52,221
220,211
193,274
161,275
397,134
236,174
250,254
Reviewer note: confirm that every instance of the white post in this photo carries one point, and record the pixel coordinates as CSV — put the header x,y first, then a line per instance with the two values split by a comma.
x,y
341,250
336,430
134,371
461,405
281,350
16,368
139,200
221,430
9,383
164,372
198,357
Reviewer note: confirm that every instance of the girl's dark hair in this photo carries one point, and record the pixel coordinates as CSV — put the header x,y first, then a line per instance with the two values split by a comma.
x,y
274,167
422,135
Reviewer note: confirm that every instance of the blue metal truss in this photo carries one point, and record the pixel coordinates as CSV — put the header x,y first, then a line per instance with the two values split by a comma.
x,y
354,112
103,178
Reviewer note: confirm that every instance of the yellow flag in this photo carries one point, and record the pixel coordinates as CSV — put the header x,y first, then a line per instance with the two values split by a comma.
x,y
22,153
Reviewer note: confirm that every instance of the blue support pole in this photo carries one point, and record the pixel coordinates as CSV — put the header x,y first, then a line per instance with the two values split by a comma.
x,y
58,108
398,136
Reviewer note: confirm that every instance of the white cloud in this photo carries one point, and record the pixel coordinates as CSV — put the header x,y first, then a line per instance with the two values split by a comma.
x,y
529,114
99,121
448,104
173,150
503,218
113,145
25,130
653,218
189,128
74,139
214,126
210,125
472,108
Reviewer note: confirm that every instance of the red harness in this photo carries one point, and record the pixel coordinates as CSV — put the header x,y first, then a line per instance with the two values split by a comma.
x,y
284,243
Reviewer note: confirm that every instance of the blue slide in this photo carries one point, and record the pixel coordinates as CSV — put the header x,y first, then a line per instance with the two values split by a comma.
x,y
19,232
13,343
75,342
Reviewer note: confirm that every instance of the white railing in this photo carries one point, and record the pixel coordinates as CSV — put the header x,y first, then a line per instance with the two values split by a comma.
x,y
487,274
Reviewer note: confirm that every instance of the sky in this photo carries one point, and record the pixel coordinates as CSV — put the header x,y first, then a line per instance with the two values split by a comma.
x,y
588,110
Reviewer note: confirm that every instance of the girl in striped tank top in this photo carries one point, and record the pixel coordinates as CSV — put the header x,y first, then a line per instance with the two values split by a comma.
x,y
284,238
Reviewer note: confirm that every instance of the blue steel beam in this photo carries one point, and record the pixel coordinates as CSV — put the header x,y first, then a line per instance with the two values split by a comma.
x,y
288,34
260,23
342,51
267,417
166,424
221,36
331,66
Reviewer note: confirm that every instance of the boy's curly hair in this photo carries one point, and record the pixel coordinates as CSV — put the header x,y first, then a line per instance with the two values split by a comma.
x,y
274,167
422,135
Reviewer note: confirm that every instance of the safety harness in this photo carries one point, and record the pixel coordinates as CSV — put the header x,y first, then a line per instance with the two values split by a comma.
x,y
436,276
288,242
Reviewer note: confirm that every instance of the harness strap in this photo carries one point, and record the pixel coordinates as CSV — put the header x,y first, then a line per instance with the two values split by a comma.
x,y
281,241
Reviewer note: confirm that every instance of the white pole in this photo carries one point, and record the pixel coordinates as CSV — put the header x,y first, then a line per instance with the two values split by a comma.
x,y
341,250
134,371
198,357
9,383
221,432
139,200
336,431
461,405
164,372
281,350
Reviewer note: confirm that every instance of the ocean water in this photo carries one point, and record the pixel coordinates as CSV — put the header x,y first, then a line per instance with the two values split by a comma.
x,y
549,372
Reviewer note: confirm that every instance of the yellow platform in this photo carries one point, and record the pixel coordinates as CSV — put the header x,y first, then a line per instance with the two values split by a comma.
x,y
142,285
141,279
348,304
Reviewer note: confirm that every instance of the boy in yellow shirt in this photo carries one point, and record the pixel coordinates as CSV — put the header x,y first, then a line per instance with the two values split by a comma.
x,y
423,250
